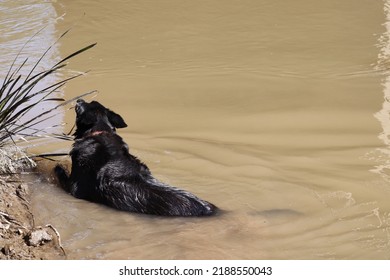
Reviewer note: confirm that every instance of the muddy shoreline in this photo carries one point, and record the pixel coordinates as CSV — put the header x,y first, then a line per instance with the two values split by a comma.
x,y
20,237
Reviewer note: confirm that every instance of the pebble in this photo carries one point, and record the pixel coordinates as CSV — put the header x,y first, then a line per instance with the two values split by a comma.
x,y
38,237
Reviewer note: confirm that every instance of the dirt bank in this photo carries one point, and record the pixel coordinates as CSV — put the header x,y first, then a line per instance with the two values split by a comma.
x,y
20,238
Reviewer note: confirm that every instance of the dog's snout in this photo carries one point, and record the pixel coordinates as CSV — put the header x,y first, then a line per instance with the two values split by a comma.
x,y
79,106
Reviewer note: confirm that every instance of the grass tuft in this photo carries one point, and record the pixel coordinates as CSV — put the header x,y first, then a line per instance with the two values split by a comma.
x,y
21,94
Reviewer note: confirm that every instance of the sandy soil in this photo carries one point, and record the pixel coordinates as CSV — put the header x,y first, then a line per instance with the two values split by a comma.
x,y
20,238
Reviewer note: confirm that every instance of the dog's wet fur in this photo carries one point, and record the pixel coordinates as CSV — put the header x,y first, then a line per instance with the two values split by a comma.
x,y
104,171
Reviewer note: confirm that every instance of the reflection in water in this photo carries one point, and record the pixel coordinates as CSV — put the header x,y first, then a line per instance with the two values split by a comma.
x,y
27,31
383,156
19,23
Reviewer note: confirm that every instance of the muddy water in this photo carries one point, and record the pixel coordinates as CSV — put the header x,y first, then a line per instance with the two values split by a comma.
x,y
276,112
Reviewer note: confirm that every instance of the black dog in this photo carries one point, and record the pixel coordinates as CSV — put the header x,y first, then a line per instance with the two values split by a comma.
x,y
104,171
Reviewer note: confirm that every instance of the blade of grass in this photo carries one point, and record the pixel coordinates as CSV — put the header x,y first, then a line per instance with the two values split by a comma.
x,y
38,119
76,53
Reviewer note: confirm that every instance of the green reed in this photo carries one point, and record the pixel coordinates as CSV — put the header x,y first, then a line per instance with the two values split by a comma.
x,y
19,95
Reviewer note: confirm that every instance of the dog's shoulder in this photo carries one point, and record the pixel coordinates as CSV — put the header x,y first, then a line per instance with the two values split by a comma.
x,y
86,146
102,147
88,149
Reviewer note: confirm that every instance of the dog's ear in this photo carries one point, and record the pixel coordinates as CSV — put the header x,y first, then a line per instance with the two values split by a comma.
x,y
115,119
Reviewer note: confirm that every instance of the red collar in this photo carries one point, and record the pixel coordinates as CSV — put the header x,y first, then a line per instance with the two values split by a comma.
x,y
97,132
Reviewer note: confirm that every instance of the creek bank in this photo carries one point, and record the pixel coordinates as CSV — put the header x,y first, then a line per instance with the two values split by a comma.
x,y
20,238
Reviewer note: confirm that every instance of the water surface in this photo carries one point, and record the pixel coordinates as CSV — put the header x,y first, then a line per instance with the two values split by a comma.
x,y
272,110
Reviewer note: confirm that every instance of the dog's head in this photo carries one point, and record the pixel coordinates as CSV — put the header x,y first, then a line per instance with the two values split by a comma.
x,y
94,117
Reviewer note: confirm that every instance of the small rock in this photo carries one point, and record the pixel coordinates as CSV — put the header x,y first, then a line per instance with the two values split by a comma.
x,y
38,237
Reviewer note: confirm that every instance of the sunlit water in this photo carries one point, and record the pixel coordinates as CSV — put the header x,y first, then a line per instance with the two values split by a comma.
x,y
275,111
27,47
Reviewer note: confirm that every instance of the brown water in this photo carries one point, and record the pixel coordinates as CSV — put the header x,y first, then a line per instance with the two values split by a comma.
x,y
276,111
